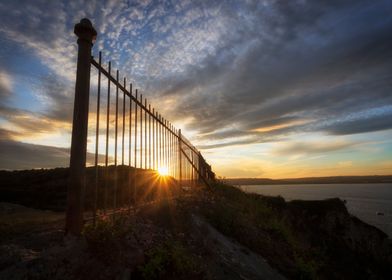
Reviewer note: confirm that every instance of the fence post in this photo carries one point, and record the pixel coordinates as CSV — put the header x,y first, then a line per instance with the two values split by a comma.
x,y
74,216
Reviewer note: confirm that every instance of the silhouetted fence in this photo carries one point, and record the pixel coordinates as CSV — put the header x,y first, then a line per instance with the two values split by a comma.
x,y
133,144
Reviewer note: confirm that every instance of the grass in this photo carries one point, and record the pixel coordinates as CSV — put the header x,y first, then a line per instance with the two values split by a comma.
x,y
166,255
259,223
171,260
20,220
107,239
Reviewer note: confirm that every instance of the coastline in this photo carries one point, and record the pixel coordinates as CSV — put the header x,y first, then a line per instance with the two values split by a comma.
x,y
311,180
369,202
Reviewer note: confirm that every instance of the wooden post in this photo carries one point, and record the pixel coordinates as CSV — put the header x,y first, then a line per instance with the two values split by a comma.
x,y
74,215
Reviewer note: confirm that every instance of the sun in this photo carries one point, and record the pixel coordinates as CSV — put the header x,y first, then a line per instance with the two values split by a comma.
x,y
163,171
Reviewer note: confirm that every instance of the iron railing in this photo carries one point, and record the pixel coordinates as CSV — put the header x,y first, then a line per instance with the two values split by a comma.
x,y
144,142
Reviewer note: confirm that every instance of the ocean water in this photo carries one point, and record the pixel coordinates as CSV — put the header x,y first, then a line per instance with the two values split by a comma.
x,y
363,200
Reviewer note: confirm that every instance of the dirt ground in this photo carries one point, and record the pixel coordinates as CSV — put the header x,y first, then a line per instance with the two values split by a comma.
x,y
33,246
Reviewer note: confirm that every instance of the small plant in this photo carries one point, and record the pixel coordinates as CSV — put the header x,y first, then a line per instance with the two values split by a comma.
x,y
106,239
168,260
307,269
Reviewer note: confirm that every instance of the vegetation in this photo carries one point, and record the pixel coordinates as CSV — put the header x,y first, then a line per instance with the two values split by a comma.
x,y
16,220
171,260
106,240
165,256
303,239
166,240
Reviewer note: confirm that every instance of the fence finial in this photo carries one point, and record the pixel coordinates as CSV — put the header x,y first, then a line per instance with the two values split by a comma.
x,y
85,30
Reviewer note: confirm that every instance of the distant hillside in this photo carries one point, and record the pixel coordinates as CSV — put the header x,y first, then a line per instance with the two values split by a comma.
x,y
46,188
312,180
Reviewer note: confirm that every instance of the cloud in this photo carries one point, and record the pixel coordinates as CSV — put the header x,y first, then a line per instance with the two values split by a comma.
x,y
362,125
292,68
19,155
248,65
241,73
26,124
34,156
58,98
306,148
5,86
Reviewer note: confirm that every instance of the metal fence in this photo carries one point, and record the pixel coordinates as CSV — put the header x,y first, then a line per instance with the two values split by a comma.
x,y
144,143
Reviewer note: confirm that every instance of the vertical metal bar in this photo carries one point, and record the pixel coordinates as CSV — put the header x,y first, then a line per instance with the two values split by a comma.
x,y
135,154
168,148
136,112
186,167
160,141
189,170
149,136
116,122
166,145
192,168
175,154
97,141
130,127
163,143
145,133
157,139
179,155
107,143
141,131
130,147
171,151
123,123
115,149
123,145
153,139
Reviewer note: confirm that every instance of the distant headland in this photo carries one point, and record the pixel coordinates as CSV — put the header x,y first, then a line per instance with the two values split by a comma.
x,y
311,180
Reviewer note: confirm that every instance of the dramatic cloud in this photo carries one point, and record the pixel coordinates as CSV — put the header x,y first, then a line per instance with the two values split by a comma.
x,y
226,72
33,156
317,68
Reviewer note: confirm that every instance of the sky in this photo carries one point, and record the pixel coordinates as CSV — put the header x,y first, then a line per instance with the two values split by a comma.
x,y
276,89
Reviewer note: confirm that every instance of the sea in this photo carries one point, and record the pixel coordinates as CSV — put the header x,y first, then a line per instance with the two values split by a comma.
x,y
372,203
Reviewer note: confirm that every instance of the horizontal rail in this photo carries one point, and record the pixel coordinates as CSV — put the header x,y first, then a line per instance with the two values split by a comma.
x,y
120,86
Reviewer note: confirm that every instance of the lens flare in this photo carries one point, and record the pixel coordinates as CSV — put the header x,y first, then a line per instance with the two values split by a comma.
x,y
163,171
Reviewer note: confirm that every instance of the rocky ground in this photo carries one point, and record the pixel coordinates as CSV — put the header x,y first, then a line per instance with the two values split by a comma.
x,y
204,234
160,242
